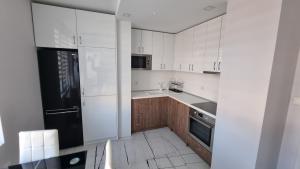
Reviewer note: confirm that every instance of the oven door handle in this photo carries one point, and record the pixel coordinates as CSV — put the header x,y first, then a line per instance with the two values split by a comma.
x,y
202,122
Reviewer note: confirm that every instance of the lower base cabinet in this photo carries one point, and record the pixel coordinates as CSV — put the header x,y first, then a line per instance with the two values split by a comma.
x,y
152,113
149,114
199,149
178,118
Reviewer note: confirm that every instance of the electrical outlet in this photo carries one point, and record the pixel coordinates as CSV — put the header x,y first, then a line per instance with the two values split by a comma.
x,y
297,101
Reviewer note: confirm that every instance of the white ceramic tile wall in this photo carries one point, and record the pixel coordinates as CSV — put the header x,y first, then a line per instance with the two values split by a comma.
x,y
148,80
204,85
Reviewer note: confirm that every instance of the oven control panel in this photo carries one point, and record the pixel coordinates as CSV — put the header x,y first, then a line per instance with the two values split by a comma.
x,y
198,115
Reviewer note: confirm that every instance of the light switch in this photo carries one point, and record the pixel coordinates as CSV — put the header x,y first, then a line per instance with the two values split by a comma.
x,y
297,101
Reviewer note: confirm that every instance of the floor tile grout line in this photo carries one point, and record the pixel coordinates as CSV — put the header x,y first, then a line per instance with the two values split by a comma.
x,y
144,134
126,154
95,156
101,157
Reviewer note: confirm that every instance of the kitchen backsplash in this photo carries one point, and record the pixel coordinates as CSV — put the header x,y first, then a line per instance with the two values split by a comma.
x,y
149,80
204,85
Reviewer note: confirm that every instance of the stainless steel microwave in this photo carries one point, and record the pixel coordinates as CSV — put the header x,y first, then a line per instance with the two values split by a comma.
x,y
143,62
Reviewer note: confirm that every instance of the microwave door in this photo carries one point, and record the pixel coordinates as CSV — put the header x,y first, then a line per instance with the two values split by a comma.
x,y
138,62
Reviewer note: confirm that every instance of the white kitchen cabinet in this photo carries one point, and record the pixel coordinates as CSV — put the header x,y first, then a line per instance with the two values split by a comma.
x,y
142,42
99,118
199,47
147,42
219,60
163,51
188,38
96,29
180,64
158,51
168,54
184,51
136,41
212,42
54,27
98,71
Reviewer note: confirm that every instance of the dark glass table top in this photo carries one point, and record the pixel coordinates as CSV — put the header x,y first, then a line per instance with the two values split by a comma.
x,y
70,161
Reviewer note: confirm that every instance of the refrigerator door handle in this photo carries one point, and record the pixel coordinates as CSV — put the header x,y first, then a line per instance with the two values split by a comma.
x,y
74,109
62,112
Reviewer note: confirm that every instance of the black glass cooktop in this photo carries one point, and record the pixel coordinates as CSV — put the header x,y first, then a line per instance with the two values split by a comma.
x,y
209,107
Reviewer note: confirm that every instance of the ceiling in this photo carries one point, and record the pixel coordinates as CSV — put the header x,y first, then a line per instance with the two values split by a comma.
x,y
160,15
169,15
106,6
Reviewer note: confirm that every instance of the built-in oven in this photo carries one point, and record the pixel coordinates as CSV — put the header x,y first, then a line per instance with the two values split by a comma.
x,y
143,62
201,128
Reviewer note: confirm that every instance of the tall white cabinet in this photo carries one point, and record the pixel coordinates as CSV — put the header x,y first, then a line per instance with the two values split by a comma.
x,y
94,35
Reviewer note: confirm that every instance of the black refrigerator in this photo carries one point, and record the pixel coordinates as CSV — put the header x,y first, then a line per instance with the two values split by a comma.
x,y
60,89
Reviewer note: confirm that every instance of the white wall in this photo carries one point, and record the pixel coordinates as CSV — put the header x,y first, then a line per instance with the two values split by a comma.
x,y
124,76
20,101
290,149
249,47
281,83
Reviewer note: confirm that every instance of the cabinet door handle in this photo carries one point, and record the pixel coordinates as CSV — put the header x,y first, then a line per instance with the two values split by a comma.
x,y
179,66
219,65
80,40
160,66
214,65
74,39
192,67
189,67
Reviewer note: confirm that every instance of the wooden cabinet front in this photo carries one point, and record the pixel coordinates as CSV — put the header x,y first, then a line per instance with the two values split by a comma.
x,y
182,121
178,118
140,109
149,113
199,149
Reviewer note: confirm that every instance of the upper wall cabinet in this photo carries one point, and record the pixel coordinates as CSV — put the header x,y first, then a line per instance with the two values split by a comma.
x,y
199,49
168,54
163,51
141,42
212,43
158,51
57,27
221,43
179,61
54,26
96,29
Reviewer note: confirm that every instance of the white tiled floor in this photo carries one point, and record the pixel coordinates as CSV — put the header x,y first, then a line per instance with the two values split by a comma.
x,y
153,149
